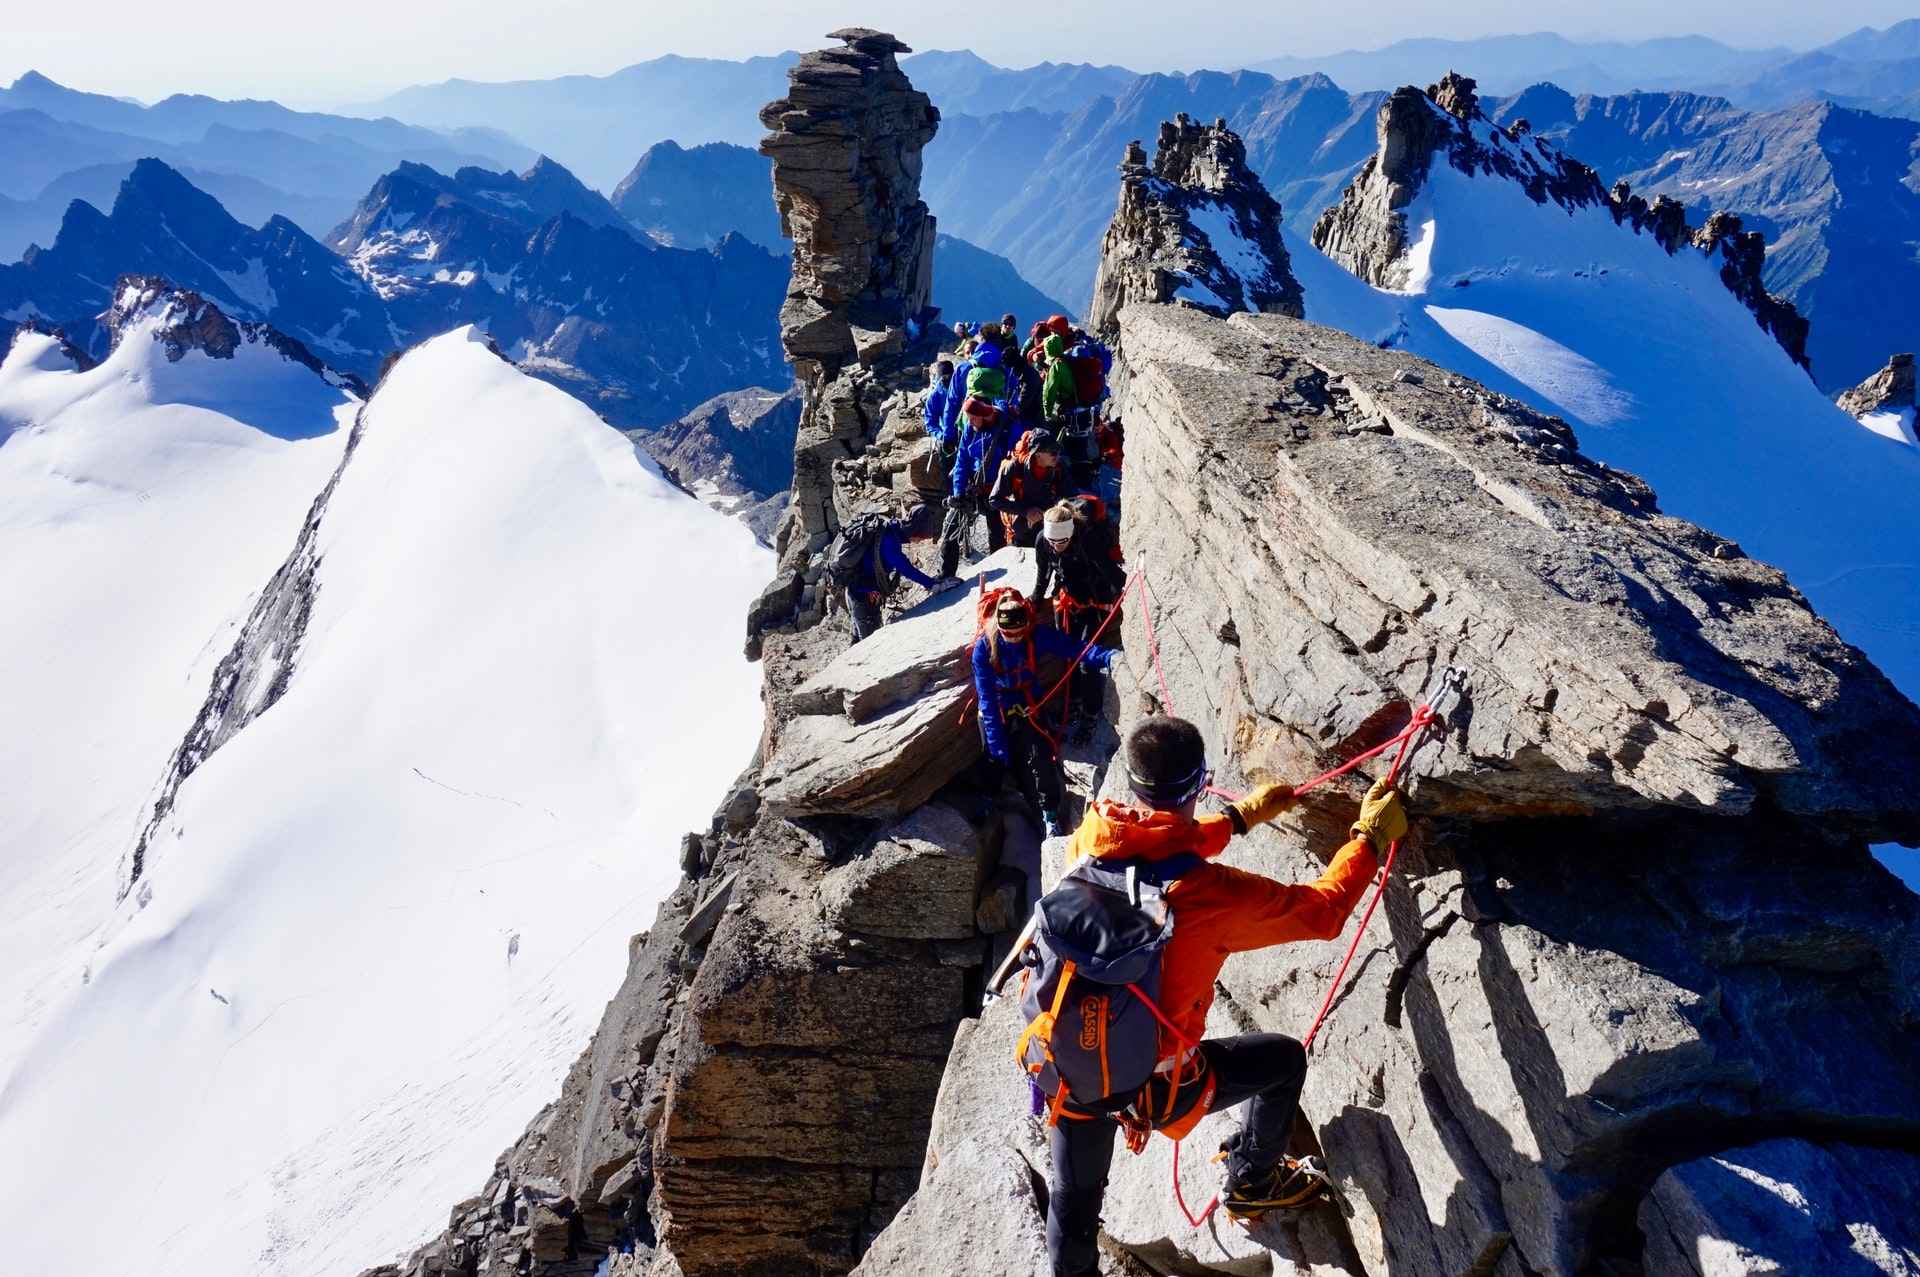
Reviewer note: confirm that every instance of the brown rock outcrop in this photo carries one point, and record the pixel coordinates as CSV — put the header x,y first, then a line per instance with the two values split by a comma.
x,y
1889,390
1637,928
1197,229
845,144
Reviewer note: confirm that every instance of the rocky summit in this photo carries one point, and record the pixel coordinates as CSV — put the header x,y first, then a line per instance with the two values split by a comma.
x,y
1636,951
1197,228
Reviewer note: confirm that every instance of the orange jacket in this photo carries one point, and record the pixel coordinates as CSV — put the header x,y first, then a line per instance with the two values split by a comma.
x,y
1219,910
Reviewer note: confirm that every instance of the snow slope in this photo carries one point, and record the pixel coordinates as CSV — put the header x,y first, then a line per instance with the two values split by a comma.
x,y
1664,373
381,921
141,505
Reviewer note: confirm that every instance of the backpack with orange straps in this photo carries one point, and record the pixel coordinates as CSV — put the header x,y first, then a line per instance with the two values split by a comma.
x,y
1092,979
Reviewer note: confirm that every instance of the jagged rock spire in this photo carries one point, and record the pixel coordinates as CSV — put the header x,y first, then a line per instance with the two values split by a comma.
x,y
845,145
1197,228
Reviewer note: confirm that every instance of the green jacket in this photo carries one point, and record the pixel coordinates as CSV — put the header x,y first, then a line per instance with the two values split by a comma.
x,y
989,384
1058,395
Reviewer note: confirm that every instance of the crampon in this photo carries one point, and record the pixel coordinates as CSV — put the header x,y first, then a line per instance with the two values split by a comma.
x,y
1296,1183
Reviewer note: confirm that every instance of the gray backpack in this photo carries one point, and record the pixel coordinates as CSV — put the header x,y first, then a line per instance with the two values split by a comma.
x,y
1091,988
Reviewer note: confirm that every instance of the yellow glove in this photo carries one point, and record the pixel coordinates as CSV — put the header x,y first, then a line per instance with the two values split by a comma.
x,y
1264,803
1383,816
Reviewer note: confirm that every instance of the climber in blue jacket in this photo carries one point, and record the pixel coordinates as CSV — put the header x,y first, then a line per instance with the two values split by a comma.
x,y
957,394
1008,681
935,417
979,445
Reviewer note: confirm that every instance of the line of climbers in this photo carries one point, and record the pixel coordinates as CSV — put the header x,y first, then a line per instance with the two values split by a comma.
x,y
1122,956
1024,444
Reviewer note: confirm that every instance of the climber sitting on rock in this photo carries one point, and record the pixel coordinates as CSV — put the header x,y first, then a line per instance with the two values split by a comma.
x,y
1017,731
1030,480
1216,911
1082,573
867,560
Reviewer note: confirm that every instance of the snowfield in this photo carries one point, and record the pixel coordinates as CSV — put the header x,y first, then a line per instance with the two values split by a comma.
x,y
383,919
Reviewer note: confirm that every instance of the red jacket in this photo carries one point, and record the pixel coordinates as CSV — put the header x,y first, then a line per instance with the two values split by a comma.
x,y
1219,910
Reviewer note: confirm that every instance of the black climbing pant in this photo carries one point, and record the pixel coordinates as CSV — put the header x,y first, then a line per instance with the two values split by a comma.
x,y
1089,686
954,533
1267,1068
863,606
1035,769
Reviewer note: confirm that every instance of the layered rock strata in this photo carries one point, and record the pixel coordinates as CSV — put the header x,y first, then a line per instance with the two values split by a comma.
x,y
1197,228
1636,930
1366,232
845,144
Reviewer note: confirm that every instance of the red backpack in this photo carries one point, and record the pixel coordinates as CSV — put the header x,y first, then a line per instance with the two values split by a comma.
x,y
1089,378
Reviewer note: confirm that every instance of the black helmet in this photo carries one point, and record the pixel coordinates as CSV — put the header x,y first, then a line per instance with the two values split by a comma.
x,y
1167,762
1013,616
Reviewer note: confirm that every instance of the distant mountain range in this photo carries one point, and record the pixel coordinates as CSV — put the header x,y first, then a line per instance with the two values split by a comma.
x,y
59,144
567,287
596,124
695,196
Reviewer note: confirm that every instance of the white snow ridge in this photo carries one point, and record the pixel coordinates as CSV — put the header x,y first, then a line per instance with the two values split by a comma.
x,y
380,921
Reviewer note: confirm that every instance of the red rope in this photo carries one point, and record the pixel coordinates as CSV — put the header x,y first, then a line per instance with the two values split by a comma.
x,y
1423,717
1153,645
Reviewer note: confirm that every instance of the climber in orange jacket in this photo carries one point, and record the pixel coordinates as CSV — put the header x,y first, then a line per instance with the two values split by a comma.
x,y
1217,911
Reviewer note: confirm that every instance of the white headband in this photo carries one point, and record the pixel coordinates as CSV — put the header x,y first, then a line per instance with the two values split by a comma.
x,y
1058,531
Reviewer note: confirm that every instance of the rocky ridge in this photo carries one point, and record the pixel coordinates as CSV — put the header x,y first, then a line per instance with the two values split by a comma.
x,y
1635,926
1197,228
1606,989
1367,231
734,452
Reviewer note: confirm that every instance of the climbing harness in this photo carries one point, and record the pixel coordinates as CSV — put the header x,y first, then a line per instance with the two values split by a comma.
x,y
1446,694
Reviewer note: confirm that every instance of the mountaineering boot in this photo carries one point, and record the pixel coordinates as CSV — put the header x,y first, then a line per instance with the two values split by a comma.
x,y
1253,1189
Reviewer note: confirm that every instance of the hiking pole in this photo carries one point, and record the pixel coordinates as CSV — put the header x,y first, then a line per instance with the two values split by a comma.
x,y
1020,944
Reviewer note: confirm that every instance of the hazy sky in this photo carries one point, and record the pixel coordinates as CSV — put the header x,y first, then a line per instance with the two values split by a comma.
x,y
345,50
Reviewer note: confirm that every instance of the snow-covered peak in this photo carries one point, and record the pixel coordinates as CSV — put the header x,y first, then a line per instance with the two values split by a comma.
x,y
179,320
1435,143
479,677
